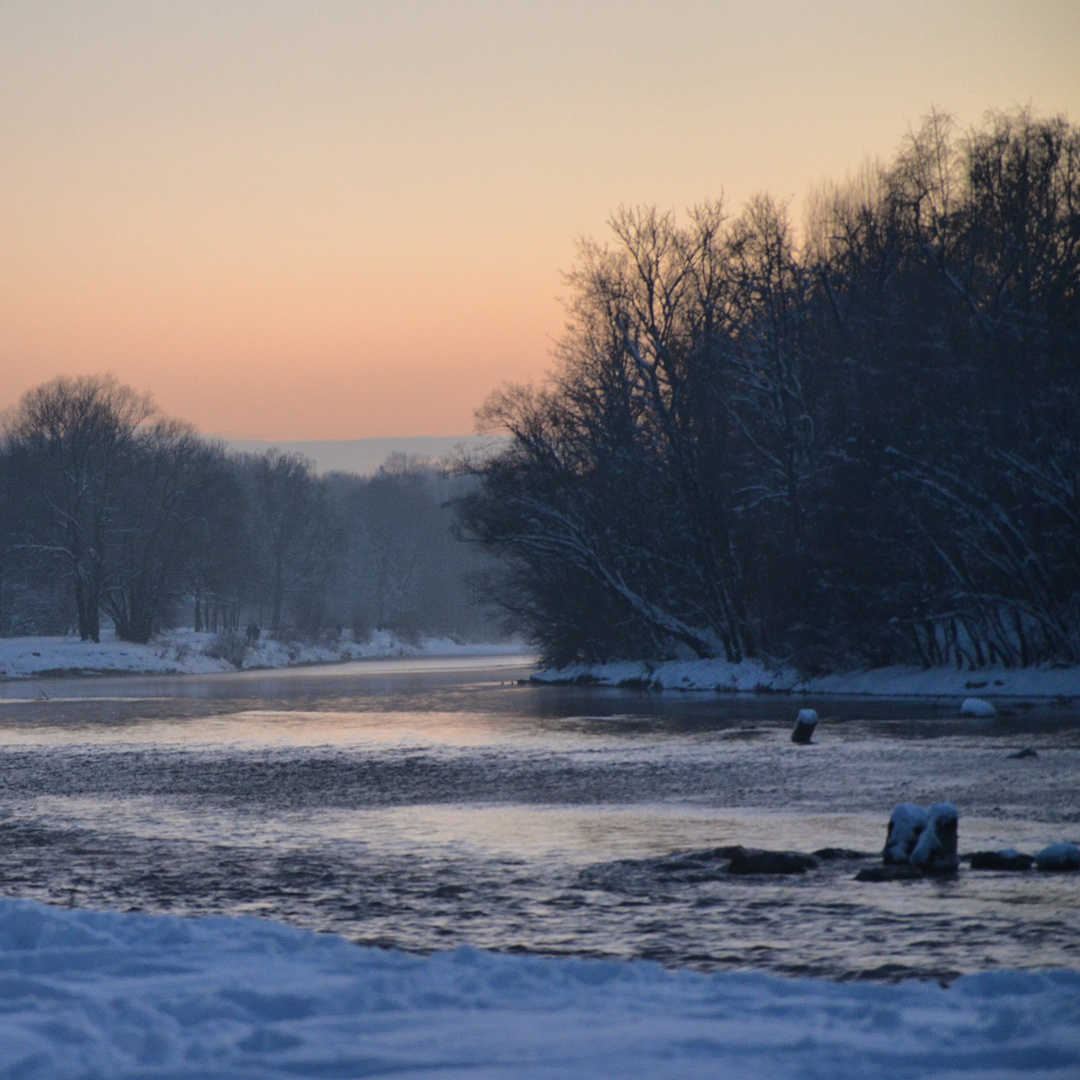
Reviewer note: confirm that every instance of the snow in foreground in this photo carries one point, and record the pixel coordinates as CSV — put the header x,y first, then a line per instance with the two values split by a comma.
x,y
186,652
753,675
94,994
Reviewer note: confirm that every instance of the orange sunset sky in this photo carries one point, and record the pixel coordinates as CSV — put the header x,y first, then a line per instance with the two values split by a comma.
x,y
311,220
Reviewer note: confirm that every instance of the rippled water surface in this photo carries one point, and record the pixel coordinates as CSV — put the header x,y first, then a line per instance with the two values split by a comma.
x,y
422,804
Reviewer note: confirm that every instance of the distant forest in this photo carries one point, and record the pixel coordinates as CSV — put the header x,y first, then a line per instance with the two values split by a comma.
x,y
109,511
857,442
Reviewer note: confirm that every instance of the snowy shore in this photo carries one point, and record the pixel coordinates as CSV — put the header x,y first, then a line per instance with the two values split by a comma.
x,y
186,652
752,676
91,994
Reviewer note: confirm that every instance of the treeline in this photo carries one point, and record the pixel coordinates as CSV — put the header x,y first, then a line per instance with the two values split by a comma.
x,y
110,511
854,443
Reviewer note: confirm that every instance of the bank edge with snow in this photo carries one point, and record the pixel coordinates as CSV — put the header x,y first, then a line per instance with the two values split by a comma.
x,y
94,994
753,676
185,652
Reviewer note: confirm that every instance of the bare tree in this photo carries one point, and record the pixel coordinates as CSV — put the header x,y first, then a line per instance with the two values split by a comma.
x,y
402,568
171,485
292,528
70,436
858,449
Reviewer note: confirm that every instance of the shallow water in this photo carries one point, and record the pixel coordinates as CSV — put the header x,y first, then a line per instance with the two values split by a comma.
x,y
422,804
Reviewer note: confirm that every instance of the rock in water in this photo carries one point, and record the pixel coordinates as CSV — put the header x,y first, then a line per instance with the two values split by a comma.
x,y
1062,856
904,872
1008,859
827,854
805,723
906,825
935,851
976,706
751,861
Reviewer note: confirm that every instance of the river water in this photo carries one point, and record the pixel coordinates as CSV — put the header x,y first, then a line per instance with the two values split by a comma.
x,y
423,804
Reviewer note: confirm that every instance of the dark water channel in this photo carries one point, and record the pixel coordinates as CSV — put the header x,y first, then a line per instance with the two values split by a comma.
x,y
423,804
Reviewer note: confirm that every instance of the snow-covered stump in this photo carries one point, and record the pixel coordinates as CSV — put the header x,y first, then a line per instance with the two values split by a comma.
x,y
906,824
805,723
918,842
935,851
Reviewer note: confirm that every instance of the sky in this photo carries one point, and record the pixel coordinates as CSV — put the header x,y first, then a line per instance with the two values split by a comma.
x,y
295,219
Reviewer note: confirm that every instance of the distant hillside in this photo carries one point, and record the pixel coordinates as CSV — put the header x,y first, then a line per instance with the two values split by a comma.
x,y
364,456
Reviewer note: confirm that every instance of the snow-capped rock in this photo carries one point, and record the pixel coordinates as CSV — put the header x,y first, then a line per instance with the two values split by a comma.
x,y
1063,856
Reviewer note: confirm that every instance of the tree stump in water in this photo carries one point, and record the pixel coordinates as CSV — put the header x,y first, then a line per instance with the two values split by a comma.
x,y
805,723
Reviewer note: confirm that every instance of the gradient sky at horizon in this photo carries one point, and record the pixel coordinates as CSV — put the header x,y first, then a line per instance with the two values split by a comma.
x,y
314,220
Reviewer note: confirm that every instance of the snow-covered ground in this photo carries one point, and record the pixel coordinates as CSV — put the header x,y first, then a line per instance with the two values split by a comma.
x,y
95,994
752,675
186,652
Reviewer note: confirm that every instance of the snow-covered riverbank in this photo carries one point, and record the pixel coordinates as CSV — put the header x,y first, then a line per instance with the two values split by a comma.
x,y
186,652
121,995
753,676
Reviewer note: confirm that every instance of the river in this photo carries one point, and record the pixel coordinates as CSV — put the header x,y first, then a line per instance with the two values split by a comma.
x,y
424,804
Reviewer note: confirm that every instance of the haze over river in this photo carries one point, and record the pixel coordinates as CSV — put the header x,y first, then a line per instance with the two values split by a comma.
x,y
423,804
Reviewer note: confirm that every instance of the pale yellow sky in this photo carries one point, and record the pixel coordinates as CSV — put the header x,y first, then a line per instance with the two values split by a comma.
x,y
290,219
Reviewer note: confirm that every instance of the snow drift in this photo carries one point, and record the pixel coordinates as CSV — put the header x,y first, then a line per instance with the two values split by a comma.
x,y
92,994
